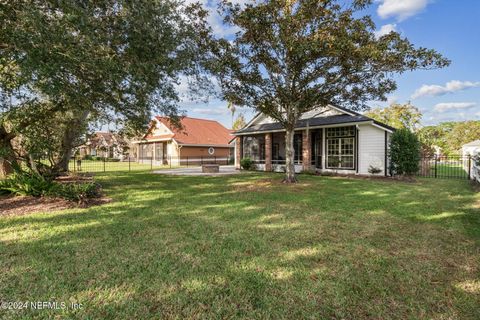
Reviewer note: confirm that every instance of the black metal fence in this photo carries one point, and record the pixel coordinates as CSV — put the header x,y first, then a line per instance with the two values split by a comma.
x,y
446,167
132,164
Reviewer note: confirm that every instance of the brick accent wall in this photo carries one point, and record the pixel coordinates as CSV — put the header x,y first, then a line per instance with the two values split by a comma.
x,y
306,149
268,152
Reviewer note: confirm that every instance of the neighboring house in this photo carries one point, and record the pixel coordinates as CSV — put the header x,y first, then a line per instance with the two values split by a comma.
x,y
197,140
471,148
326,139
104,144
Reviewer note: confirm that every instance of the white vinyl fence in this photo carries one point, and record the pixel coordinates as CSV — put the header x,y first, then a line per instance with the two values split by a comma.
x,y
475,173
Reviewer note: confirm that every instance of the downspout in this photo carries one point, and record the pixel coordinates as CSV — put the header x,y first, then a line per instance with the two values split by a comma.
x,y
386,138
356,148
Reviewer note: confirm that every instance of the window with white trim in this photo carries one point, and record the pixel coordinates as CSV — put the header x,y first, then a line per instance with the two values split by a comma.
x,y
341,147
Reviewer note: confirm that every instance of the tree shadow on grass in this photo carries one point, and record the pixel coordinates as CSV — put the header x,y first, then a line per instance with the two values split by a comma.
x,y
201,248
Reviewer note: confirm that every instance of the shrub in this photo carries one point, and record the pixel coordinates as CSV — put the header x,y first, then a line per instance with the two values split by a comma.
x,y
32,184
26,184
88,157
374,170
404,152
112,160
247,164
311,172
78,192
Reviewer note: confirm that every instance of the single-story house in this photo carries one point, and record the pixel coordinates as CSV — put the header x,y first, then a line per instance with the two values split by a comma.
x,y
329,138
471,148
104,144
195,141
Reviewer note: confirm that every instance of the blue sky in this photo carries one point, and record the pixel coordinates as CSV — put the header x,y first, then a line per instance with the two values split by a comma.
x,y
448,26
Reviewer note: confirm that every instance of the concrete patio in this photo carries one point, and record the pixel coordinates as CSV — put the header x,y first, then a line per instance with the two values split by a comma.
x,y
197,171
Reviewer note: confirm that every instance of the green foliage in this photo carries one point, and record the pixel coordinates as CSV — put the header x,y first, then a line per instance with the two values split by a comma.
x,y
239,122
310,172
77,192
31,184
450,136
462,133
26,184
400,116
404,152
70,64
247,164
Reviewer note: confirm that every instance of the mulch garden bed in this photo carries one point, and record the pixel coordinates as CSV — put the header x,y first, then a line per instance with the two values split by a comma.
x,y
21,205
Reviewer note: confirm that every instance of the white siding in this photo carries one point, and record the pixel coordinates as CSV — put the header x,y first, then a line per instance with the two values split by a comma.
x,y
470,150
160,129
371,148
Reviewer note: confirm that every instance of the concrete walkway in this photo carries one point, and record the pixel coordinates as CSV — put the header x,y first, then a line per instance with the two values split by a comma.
x,y
197,171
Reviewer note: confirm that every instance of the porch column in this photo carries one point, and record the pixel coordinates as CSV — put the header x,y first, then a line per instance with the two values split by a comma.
x,y
306,152
138,152
268,152
238,151
153,152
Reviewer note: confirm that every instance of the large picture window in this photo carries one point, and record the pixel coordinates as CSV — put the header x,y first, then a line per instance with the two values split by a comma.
x,y
341,147
297,146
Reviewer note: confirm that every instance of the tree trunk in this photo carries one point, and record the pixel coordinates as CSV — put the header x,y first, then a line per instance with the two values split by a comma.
x,y
71,133
289,157
5,167
7,155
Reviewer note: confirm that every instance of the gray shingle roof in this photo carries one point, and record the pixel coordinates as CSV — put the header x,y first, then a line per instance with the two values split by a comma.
x,y
313,122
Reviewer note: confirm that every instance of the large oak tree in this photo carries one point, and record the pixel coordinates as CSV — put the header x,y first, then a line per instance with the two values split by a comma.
x,y
83,61
291,56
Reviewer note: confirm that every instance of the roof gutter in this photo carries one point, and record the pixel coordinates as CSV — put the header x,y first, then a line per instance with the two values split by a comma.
x,y
310,127
204,145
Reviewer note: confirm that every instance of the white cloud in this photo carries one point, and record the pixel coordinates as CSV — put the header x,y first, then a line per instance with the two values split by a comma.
x,y
400,9
453,106
385,29
450,87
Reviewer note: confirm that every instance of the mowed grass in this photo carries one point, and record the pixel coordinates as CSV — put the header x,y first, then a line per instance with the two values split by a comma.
x,y
450,170
250,247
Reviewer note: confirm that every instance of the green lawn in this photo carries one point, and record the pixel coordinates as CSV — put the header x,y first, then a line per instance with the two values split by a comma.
x,y
250,247
451,170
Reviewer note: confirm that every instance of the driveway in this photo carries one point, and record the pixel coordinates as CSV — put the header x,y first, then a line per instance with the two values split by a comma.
x,y
197,171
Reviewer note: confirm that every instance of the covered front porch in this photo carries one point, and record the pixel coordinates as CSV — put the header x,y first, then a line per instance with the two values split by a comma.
x,y
321,149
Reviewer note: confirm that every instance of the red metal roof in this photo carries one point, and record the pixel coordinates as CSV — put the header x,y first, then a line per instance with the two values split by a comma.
x,y
197,131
